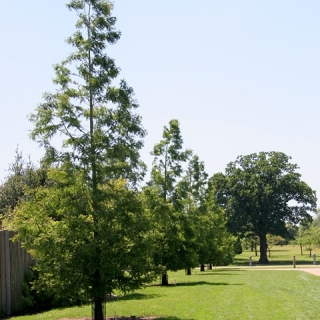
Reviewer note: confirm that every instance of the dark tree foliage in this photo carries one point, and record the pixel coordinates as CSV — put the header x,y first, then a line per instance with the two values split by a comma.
x,y
237,246
261,193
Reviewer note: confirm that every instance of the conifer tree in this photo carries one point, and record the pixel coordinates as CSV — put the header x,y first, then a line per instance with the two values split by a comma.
x,y
101,136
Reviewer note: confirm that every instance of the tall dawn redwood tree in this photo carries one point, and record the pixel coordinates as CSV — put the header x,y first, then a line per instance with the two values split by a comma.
x,y
101,136
169,158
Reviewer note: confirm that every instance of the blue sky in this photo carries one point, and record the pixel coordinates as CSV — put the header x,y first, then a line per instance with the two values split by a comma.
x,y
241,76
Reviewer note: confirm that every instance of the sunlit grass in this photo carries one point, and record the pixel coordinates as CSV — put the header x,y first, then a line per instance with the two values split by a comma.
x,y
282,256
233,293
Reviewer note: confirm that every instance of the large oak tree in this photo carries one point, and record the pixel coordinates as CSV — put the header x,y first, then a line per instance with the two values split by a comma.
x,y
260,193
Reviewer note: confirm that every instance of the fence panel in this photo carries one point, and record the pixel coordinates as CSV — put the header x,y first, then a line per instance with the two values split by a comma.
x,y
14,263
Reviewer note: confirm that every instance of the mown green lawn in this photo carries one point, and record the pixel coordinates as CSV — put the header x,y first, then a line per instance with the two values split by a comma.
x,y
279,256
227,293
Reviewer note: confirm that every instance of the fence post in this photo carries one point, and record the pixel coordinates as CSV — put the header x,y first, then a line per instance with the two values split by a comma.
x,y
294,261
314,259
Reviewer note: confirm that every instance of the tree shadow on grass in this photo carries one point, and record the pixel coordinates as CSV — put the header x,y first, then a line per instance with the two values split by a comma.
x,y
173,318
220,272
137,296
199,283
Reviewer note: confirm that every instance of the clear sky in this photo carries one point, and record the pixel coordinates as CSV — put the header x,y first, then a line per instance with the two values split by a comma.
x,y
240,76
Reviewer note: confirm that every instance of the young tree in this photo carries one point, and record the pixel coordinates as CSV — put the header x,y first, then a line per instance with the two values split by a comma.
x,y
300,237
214,243
261,193
161,194
192,191
308,241
101,138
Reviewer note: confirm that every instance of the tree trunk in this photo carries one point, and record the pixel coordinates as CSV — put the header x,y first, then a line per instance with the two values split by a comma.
x,y
98,312
263,249
202,268
164,279
301,249
255,248
188,271
210,266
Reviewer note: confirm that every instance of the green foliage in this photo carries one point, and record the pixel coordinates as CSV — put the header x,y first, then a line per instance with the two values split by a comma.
x,y
59,228
308,236
292,231
173,231
238,246
261,193
189,227
168,161
100,131
316,219
22,174
34,301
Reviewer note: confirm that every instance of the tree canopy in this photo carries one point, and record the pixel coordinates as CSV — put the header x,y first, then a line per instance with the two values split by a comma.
x,y
260,193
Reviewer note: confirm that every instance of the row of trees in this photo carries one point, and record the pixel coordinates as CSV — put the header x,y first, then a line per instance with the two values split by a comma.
x,y
170,223
84,215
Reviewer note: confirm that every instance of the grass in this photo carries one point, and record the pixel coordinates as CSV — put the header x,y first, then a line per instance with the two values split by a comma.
x,y
221,293
281,256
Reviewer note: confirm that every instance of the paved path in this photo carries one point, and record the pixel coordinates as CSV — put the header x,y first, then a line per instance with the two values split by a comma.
x,y
315,270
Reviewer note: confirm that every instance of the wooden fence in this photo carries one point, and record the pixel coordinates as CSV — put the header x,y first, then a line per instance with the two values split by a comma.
x,y
14,263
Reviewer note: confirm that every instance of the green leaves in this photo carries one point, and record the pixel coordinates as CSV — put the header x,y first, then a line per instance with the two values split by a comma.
x,y
262,192
95,120
189,227
58,226
168,159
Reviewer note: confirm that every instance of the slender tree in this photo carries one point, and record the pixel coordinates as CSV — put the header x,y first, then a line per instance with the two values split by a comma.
x,y
161,193
211,241
100,132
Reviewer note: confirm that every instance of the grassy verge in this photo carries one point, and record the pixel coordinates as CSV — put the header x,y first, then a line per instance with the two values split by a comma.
x,y
217,294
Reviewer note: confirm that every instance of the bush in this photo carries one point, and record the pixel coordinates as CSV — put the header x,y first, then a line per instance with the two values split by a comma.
x,y
34,300
237,246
